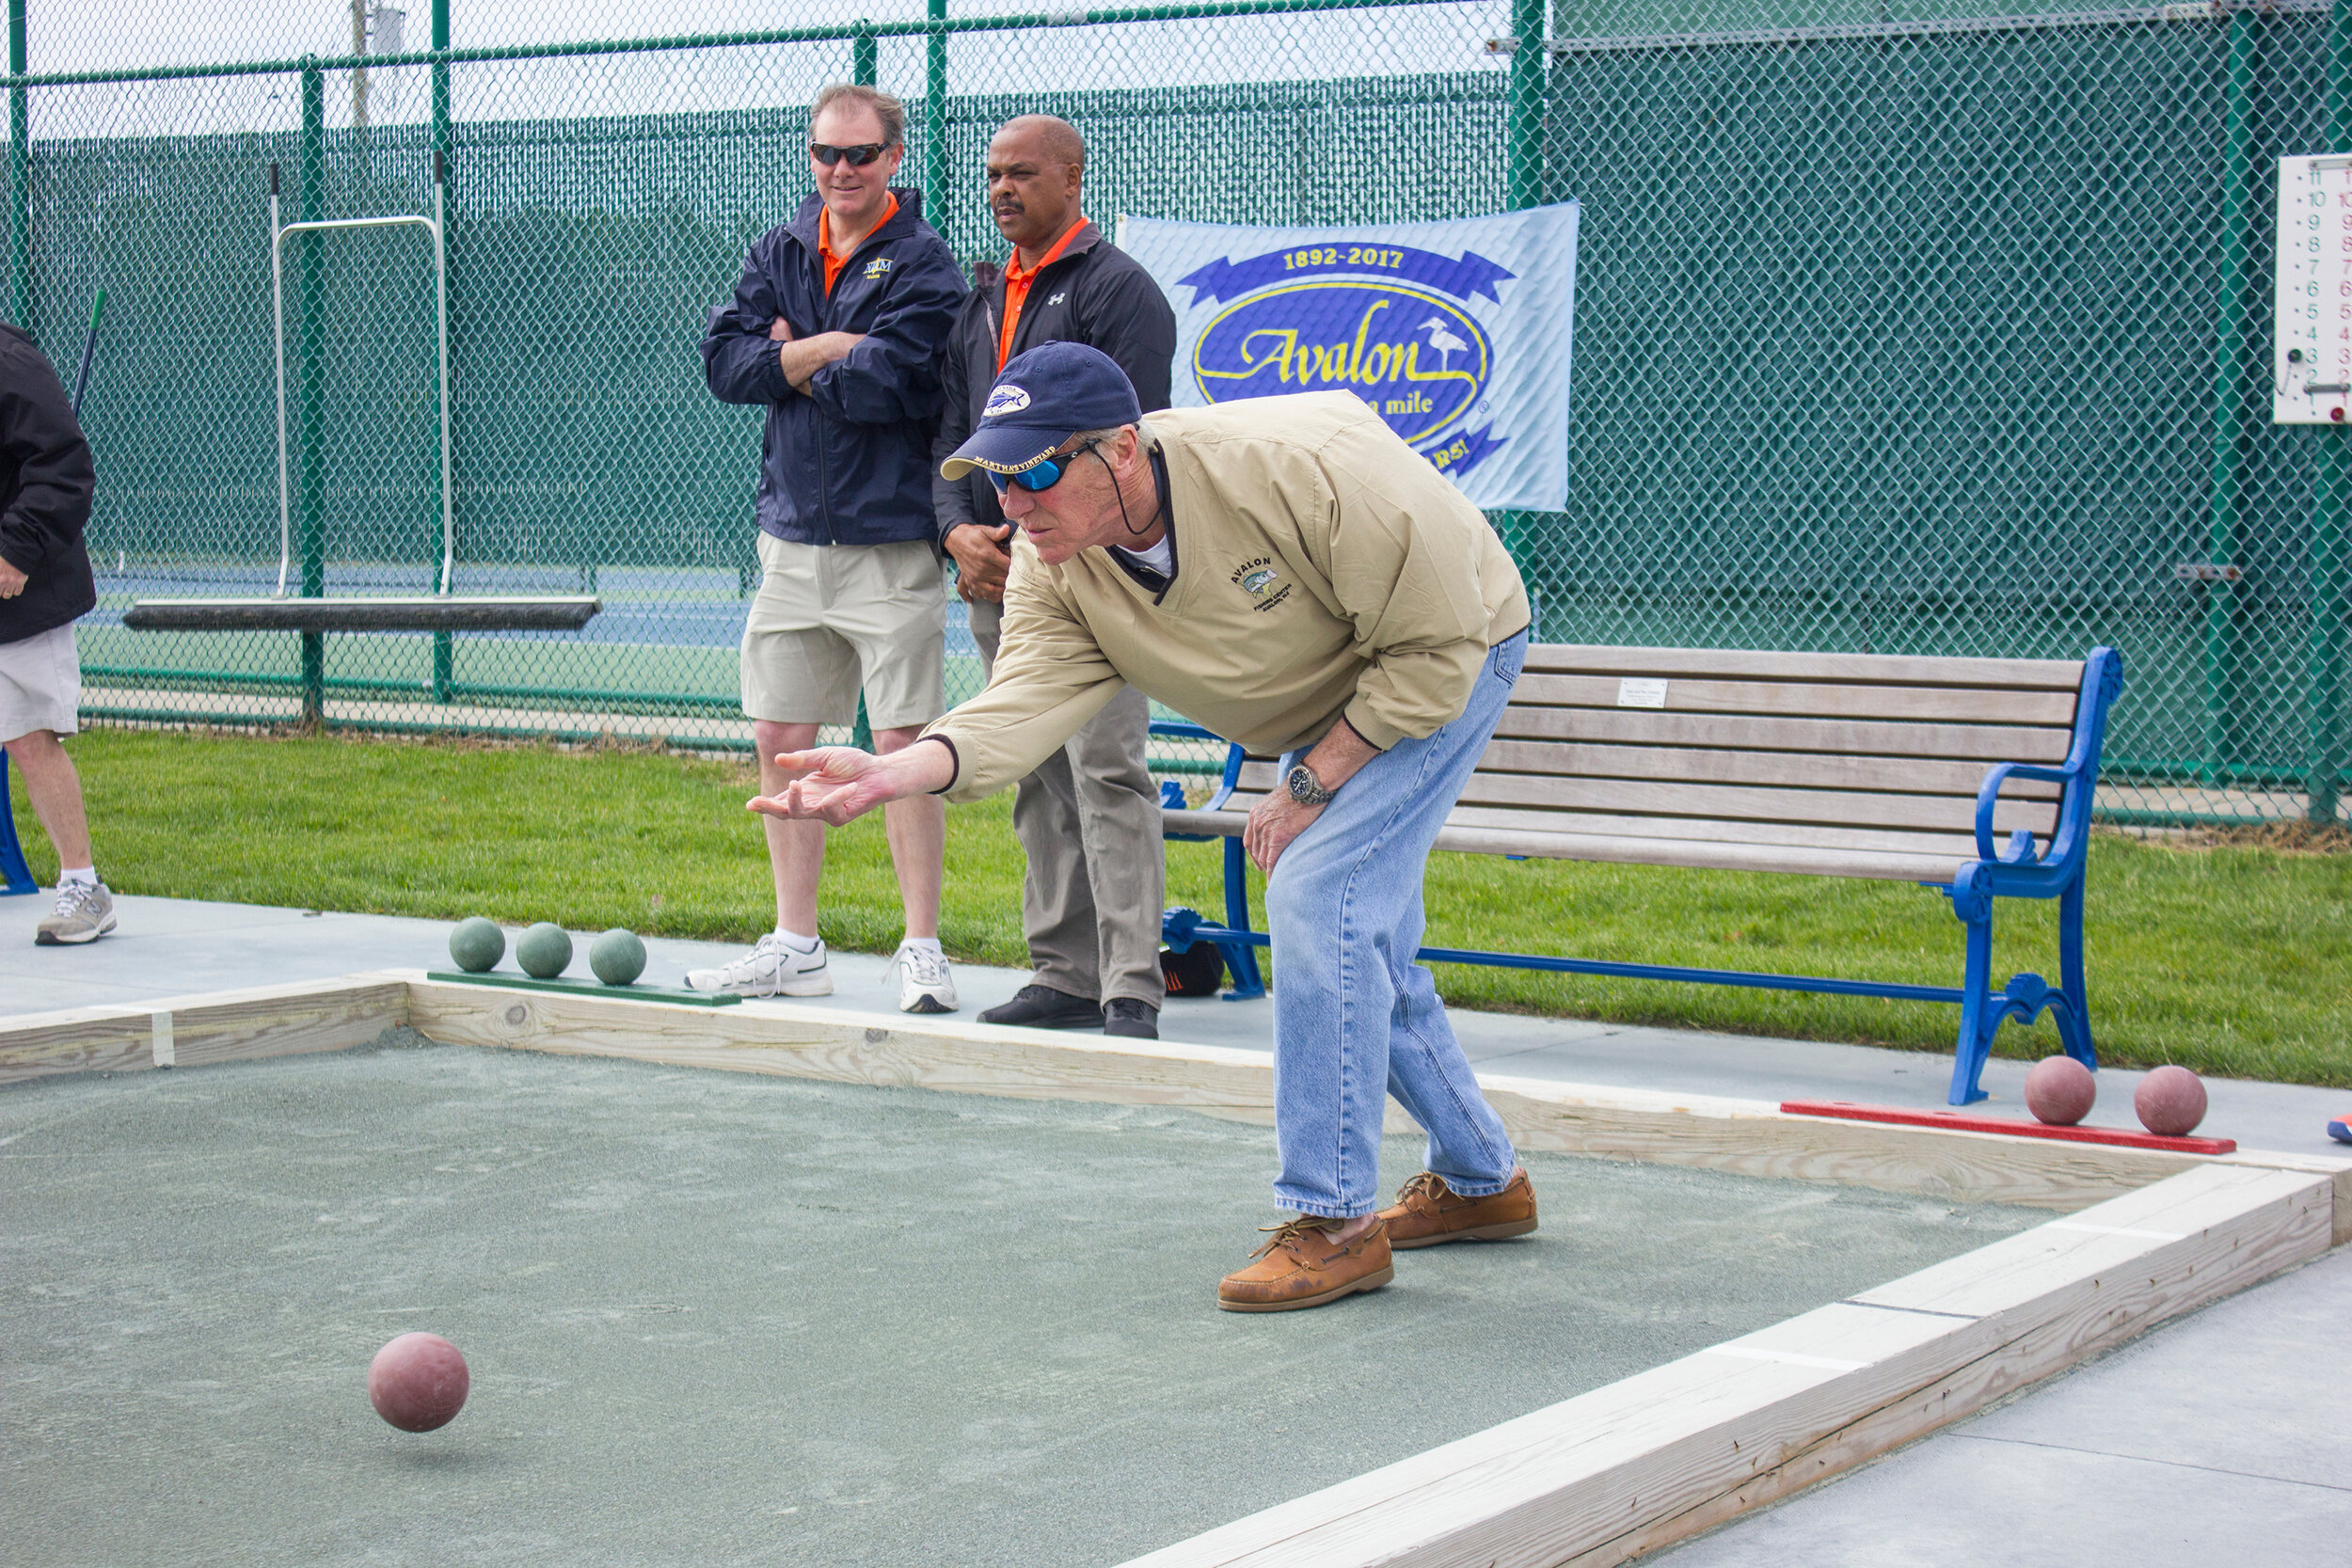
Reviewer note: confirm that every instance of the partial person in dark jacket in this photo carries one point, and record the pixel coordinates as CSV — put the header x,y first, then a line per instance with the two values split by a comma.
x,y
1088,817
46,478
836,327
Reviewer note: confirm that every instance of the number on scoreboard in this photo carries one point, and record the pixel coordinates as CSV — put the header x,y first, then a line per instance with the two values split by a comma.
x,y
2312,351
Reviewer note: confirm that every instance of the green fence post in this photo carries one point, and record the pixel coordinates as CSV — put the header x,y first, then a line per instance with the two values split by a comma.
x,y
444,647
440,76
2324,643
19,178
2222,598
2324,776
935,123
865,56
1523,134
311,366
1525,129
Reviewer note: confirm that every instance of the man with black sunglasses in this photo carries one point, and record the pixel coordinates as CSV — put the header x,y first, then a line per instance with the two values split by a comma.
x,y
1089,817
836,328
1289,572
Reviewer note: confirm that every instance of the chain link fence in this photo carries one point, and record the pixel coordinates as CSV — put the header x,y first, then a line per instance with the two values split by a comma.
x,y
1918,327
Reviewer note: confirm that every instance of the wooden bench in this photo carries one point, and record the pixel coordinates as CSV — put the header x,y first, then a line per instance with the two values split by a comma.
x,y
438,613
389,612
1970,776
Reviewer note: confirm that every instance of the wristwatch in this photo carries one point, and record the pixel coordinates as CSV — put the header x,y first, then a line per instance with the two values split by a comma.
x,y
1305,787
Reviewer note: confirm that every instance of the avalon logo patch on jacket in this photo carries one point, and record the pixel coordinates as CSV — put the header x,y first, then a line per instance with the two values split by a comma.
x,y
1257,578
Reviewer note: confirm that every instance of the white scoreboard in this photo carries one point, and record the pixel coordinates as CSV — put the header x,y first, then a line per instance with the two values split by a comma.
x,y
2311,350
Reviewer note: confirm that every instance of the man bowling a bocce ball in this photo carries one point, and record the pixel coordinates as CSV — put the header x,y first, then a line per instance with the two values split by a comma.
x,y
1290,574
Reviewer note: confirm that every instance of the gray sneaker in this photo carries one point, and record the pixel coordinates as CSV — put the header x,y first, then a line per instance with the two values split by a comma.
x,y
84,914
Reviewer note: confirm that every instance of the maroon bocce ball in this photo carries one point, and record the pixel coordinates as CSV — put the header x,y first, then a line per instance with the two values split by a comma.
x,y
2170,1101
2059,1090
418,1382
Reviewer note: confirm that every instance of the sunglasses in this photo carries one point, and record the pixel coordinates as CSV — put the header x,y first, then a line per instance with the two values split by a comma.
x,y
1042,475
859,156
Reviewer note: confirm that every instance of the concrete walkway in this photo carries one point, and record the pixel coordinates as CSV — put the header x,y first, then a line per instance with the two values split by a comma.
x,y
2219,1439
2213,1440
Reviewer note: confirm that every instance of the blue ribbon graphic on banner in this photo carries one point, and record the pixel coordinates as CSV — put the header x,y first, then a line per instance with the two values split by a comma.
x,y
1464,278
1464,453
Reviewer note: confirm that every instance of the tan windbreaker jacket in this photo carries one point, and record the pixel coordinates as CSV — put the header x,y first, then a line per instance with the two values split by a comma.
x,y
1323,569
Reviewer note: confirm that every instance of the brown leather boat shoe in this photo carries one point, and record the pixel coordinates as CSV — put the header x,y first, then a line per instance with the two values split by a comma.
x,y
1303,1267
1428,1212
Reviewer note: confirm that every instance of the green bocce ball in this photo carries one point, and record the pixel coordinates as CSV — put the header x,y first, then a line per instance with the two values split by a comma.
x,y
476,946
543,951
617,957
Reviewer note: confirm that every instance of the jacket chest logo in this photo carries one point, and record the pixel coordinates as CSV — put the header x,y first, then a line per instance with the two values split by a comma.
x,y
1262,583
1057,298
878,267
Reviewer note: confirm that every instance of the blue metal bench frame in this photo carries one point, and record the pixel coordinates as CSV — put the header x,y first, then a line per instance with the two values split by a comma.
x,y
2010,871
15,876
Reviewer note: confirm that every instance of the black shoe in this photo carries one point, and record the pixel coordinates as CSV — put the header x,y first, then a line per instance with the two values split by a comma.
x,y
1138,1020
1044,1008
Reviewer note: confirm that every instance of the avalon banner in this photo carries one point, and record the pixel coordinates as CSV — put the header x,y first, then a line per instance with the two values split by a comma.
x,y
1456,333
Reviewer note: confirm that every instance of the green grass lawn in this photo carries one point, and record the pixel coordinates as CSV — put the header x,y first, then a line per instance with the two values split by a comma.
x,y
2231,960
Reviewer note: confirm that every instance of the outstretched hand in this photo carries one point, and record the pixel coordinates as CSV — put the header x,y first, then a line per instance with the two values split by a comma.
x,y
837,784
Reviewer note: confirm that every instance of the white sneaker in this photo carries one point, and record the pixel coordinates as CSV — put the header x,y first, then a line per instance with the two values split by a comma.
x,y
924,984
770,969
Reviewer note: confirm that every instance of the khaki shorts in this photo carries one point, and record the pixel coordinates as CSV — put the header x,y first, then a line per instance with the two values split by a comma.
x,y
41,683
831,619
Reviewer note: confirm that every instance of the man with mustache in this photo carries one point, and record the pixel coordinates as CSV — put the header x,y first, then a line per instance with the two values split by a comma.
x,y
1088,817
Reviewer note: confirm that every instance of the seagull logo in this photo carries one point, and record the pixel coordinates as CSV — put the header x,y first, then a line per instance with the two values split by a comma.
x,y
1445,343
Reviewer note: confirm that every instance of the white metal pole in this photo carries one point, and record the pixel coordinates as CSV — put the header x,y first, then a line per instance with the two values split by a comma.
x,y
277,316
440,290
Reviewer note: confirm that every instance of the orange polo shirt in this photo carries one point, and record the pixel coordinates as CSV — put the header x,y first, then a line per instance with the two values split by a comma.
x,y
824,239
1017,287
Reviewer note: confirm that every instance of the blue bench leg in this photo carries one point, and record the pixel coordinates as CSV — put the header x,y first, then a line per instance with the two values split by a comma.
x,y
1241,958
1972,902
15,876
2074,1012
2025,997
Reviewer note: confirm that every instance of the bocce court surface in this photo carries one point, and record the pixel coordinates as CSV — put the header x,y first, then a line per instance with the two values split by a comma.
x,y
724,1319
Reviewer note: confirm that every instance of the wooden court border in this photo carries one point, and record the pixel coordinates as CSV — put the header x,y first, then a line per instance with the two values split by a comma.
x,y
2141,1236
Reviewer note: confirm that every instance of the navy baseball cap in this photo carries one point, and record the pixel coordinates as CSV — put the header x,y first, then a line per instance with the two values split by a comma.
x,y
1046,395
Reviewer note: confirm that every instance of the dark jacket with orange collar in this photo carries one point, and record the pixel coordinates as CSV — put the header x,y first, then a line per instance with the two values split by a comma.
x,y
849,462
1093,294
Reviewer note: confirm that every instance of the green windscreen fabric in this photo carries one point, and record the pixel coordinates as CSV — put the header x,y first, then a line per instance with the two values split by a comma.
x,y
1933,328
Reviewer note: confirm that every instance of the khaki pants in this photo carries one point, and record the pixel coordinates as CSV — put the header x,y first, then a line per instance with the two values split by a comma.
x,y
1089,821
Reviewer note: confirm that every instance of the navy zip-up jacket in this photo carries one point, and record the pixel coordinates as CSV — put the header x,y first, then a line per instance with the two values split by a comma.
x,y
849,462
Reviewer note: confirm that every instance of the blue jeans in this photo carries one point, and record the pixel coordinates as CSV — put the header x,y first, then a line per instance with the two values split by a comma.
x,y
1355,1020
